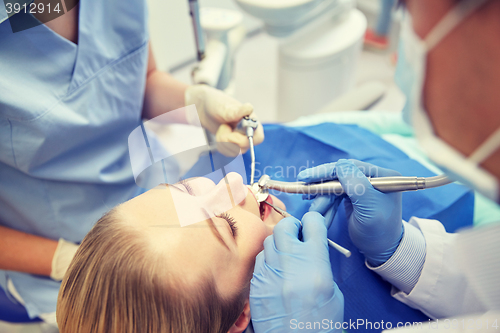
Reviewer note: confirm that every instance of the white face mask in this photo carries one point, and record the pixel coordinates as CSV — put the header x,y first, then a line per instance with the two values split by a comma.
x,y
410,75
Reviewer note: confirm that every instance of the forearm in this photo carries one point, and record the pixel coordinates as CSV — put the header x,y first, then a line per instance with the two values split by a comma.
x,y
163,93
24,252
216,111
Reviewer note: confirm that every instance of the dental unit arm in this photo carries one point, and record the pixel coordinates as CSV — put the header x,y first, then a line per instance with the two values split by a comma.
x,y
194,12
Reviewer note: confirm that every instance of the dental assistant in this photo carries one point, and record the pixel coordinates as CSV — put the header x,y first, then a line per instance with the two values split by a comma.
x,y
448,70
71,91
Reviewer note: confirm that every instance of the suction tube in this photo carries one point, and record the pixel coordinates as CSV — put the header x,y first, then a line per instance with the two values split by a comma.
x,y
383,184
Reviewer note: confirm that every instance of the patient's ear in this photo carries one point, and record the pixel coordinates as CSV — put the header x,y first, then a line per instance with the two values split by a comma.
x,y
243,320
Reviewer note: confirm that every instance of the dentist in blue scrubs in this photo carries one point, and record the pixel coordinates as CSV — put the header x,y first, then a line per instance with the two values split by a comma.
x,y
71,91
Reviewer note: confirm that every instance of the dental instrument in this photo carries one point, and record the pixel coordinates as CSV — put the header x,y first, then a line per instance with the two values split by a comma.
x,y
218,32
248,126
383,184
194,11
331,243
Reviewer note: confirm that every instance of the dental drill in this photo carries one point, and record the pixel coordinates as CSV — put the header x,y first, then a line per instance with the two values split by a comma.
x,y
383,184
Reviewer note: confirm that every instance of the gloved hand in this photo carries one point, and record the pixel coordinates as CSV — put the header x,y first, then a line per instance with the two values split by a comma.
x,y
374,218
292,282
220,113
65,252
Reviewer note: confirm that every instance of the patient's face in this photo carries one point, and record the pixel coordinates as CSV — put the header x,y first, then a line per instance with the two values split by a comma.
x,y
224,246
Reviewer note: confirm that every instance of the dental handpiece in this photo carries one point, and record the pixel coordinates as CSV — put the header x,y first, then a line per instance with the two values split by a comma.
x,y
248,126
383,184
331,243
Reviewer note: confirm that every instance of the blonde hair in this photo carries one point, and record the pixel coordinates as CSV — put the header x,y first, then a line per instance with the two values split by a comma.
x,y
116,285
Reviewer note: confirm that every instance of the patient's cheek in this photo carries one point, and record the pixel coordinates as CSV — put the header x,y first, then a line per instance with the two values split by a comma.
x,y
259,236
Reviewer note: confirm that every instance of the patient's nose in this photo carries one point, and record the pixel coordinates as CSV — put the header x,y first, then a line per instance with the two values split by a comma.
x,y
233,183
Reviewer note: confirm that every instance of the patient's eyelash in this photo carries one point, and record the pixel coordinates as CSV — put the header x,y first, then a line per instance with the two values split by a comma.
x,y
230,220
188,187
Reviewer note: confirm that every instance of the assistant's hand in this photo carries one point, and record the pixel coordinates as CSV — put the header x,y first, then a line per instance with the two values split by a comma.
x,y
293,282
220,113
65,252
375,218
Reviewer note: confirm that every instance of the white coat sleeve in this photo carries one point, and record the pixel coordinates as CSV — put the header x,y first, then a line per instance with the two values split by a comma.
x,y
442,289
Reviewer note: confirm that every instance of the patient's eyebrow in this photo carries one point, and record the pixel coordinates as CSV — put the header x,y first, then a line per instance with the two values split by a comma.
x,y
211,222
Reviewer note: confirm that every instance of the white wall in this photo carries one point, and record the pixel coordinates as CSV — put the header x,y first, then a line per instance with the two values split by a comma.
x,y
172,33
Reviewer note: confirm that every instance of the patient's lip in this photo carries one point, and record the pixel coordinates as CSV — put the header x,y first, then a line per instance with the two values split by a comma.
x,y
267,208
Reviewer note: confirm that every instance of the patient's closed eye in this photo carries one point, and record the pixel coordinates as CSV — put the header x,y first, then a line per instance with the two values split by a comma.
x,y
225,216
231,221
188,187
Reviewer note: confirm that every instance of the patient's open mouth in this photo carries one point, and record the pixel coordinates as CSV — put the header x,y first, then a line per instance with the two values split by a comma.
x,y
265,210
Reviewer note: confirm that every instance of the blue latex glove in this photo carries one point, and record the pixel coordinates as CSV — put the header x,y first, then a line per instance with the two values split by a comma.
x,y
293,283
374,218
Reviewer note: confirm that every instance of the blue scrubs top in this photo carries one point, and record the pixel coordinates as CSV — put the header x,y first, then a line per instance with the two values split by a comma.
x,y
66,111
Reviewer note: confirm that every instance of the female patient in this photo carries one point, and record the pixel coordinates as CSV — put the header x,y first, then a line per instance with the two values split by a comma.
x,y
138,270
